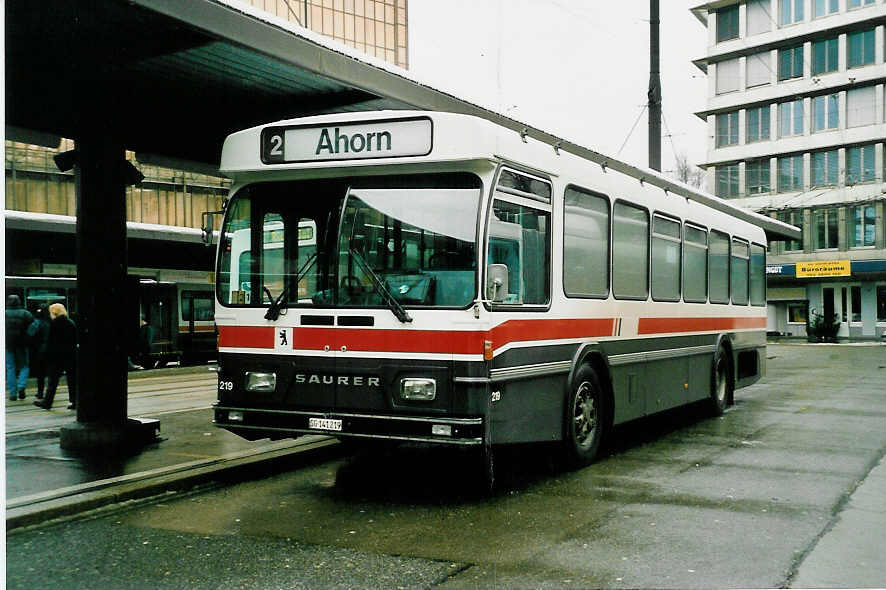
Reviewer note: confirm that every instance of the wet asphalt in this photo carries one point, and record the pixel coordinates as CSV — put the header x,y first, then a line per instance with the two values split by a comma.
x,y
769,495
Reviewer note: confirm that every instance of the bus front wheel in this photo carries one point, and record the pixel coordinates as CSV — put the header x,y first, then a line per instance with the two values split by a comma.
x,y
721,382
584,419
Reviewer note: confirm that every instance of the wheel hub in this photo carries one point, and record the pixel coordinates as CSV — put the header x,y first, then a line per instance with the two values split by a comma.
x,y
585,415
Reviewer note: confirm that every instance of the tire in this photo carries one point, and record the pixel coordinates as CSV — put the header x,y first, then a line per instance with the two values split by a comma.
x,y
585,419
721,382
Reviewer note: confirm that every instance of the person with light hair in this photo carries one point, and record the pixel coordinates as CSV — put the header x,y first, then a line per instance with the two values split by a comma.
x,y
61,356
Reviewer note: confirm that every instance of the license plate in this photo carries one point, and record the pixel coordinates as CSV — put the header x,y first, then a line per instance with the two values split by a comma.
x,y
324,424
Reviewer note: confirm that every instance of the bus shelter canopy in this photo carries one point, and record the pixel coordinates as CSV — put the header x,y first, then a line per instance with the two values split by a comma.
x,y
177,77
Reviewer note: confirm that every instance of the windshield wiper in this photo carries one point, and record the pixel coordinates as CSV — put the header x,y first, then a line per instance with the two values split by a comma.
x,y
278,304
381,288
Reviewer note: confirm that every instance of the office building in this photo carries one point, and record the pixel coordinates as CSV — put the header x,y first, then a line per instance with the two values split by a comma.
x,y
796,129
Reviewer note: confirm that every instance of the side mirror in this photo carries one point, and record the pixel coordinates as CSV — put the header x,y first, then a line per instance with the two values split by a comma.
x,y
496,282
207,226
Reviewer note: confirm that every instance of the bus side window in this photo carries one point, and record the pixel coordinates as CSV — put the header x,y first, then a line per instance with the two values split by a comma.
x,y
585,244
630,251
519,237
695,264
665,259
718,267
738,279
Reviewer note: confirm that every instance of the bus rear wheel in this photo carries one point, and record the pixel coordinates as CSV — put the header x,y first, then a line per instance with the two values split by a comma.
x,y
721,382
584,419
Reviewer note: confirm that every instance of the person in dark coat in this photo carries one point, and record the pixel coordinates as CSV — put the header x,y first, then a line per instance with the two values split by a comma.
x,y
39,347
17,321
61,356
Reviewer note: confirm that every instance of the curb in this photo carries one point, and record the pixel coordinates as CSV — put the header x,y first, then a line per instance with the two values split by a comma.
x,y
65,502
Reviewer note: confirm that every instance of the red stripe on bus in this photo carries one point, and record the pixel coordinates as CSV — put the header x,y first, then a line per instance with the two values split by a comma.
x,y
471,341
676,325
532,330
246,336
418,341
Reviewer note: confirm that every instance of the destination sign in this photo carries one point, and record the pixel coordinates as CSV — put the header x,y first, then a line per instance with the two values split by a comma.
x,y
347,141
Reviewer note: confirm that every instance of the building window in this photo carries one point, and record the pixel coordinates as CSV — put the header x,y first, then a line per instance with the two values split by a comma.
x,y
790,174
824,56
758,124
861,106
826,237
860,164
790,63
758,17
758,69
797,313
825,7
790,12
855,301
881,303
862,226
859,3
727,129
757,177
727,76
790,118
794,217
861,48
727,181
825,168
727,23
825,112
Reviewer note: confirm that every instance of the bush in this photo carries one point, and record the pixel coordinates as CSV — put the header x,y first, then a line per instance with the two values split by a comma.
x,y
821,329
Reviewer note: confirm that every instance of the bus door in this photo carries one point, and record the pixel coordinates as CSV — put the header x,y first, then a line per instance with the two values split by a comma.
x,y
196,326
158,308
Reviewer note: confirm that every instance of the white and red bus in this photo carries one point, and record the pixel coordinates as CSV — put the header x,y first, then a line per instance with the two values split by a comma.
x,y
466,284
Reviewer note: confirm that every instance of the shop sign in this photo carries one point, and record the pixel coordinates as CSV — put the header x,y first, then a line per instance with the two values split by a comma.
x,y
785,293
824,268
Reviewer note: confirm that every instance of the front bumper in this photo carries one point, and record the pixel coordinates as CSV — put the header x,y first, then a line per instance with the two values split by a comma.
x,y
272,423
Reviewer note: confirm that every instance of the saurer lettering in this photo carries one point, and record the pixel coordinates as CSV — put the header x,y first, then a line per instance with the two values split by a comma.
x,y
356,143
355,381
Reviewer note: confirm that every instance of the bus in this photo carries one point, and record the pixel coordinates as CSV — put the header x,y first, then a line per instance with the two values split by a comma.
x,y
470,285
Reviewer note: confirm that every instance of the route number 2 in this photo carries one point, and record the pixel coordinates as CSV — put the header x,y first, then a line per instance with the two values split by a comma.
x,y
276,148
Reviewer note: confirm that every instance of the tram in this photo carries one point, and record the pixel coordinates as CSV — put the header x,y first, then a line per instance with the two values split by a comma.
x,y
177,304
468,285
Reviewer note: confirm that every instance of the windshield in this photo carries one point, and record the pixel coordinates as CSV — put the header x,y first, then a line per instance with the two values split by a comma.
x,y
399,242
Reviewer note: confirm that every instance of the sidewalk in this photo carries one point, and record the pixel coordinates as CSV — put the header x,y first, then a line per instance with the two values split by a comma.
x,y
45,482
850,554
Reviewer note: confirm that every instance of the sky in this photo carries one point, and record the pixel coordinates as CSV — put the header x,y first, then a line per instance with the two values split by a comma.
x,y
576,68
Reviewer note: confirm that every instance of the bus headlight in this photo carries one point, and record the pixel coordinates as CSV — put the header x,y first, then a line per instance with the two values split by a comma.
x,y
261,382
414,389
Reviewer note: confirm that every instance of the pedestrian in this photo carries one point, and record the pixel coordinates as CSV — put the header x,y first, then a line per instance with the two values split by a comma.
x,y
144,344
61,356
38,348
17,321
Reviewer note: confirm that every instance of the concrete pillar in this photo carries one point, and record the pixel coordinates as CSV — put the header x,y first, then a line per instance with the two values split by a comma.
x,y
104,300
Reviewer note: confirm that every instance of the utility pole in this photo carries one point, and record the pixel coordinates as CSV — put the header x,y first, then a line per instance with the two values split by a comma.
x,y
654,93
